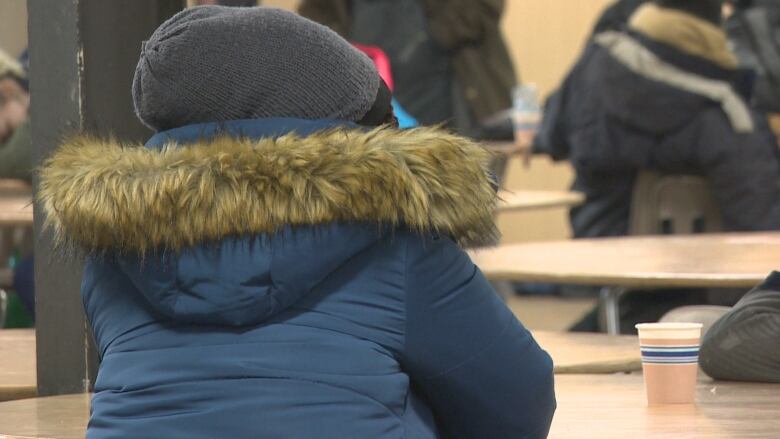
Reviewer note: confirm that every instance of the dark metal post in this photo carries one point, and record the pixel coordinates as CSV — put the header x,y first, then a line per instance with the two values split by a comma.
x,y
82,58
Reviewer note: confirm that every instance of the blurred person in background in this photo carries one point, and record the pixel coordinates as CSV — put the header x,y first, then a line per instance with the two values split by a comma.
x,y
449,61
16,154
664,95
753,28
16,162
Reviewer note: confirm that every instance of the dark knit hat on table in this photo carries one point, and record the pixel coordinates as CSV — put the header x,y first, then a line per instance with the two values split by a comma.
x,y
710,10
214,63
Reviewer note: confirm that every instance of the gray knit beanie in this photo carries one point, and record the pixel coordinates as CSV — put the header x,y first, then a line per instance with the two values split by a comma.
x,y
215,63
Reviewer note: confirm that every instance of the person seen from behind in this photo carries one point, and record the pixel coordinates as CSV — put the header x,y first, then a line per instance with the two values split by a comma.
x,y
279,260
663,95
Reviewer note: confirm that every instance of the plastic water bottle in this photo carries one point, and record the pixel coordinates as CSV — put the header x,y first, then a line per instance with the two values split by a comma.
x,y
526,113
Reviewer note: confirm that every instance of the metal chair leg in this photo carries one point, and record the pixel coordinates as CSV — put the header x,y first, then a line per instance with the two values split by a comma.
x,y
610,302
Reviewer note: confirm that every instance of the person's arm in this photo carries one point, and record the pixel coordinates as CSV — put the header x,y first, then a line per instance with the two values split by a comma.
x,y
467,355
456,23
744,344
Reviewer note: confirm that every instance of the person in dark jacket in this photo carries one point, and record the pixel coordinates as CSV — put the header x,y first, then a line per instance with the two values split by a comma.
x,y
273,264
664,95
752,32
449,60
743,344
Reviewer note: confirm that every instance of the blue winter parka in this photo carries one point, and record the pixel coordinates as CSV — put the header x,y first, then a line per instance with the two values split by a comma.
x,y
281,278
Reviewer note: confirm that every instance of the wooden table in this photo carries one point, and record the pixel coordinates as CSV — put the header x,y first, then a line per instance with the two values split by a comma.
x,y
16,210
589,406
15,202
9,186
571,352
716,260
17,364
60,417
582,353
613,406
521,200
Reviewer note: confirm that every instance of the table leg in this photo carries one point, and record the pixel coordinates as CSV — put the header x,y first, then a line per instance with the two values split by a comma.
x,y
610,298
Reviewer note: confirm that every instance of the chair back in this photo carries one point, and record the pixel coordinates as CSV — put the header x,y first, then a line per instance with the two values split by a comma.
x,y
672,205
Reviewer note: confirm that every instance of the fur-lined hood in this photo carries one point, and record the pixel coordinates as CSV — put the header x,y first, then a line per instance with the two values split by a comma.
x,y
102,195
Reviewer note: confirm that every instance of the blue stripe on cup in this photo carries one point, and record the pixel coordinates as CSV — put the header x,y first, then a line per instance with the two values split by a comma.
x,y
670,354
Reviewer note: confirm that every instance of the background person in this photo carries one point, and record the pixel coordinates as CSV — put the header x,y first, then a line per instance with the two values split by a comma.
x,y
16,154
752,31
663,94
615,116
450,63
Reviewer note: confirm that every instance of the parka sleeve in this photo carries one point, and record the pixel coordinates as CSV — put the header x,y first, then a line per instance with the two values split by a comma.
x,y
479,369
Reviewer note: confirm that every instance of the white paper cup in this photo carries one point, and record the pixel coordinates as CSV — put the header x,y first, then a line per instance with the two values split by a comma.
x,y
670,361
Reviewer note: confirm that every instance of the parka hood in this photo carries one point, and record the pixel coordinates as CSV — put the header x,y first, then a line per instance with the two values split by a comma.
x,y
231,230
103,195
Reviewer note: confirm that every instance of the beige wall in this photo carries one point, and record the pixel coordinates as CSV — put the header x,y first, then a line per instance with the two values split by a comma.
x,y
13,26
546,36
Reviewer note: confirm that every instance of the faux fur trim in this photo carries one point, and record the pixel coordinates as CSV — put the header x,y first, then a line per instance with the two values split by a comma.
x,y
101,195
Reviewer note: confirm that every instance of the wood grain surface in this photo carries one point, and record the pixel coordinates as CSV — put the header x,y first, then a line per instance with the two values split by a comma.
x,y
584,353
614,406
589,406
16,210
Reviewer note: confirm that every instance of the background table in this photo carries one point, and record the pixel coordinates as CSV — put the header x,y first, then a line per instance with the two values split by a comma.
x,y
584,353
715,260
15,203
697,261
17,364
14,187
16,210
519,200
613,406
